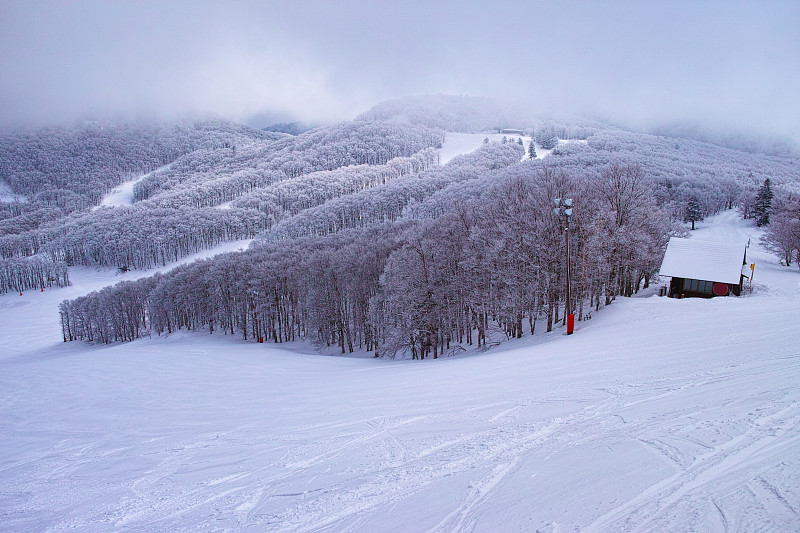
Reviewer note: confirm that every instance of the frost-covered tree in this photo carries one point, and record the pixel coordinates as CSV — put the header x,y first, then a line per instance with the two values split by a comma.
x,y
763,204
546,136
782,235
693,212
38,272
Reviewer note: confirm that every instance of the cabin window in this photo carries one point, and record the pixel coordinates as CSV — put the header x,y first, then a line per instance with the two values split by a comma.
x,y
696,285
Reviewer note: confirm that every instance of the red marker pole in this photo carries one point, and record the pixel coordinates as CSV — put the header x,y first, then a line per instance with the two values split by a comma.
x,y
567,212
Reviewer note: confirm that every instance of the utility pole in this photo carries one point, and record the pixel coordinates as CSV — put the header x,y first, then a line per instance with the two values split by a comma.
x,y
567,212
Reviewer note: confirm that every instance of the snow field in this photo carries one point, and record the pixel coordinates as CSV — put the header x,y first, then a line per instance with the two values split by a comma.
x,y
657,415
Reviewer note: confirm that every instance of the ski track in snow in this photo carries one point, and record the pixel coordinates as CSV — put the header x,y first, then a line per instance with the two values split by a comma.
x,y
624,426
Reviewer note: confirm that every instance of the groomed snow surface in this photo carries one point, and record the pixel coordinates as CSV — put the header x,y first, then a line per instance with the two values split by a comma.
x,y
656,415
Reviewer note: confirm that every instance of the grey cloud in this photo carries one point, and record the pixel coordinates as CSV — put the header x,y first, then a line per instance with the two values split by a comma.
x,y
730,64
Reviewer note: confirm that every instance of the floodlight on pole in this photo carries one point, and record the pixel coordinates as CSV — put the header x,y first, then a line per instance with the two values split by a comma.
x,y
567,212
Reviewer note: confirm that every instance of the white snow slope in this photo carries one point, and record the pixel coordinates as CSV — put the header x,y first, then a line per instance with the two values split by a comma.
x,y
7,196
656,415
122,194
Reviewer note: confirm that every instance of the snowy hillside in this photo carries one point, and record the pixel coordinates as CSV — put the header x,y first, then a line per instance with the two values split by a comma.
x,y
657,415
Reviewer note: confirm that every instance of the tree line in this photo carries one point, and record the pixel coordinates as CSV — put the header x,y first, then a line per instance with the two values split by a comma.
x,y
262,164
781,219
135,237
292,196
420,287
388,202
70,169
38,272
174,216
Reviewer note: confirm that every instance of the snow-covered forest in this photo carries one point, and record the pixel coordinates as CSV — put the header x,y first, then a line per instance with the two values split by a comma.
x,y
363,240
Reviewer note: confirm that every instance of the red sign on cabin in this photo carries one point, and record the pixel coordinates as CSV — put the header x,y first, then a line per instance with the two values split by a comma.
x,y
720,289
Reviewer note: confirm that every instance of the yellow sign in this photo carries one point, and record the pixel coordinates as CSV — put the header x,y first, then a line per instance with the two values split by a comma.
x,y
752,266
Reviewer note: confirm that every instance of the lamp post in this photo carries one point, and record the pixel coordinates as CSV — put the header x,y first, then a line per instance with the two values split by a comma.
x,y
565,208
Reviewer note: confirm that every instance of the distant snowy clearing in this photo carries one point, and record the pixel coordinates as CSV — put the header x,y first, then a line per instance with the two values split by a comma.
x,y
123,194
6,195
464,143
657,415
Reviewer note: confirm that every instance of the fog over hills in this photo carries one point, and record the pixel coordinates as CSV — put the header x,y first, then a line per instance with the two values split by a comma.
x,y
727,67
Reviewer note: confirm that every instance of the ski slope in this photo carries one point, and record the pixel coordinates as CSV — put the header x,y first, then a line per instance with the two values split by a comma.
x,y
122,194
657,415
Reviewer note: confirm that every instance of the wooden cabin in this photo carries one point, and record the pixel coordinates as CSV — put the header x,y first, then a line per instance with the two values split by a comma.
x,y
703,269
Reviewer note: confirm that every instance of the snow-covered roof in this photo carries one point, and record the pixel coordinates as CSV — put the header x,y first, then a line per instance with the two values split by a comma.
x,y
704,260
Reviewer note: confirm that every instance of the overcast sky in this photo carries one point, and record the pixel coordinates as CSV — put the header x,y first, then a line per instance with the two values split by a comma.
x,y
729,63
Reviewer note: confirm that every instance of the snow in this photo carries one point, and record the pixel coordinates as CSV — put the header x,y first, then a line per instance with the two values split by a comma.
x,y
7,195
657,415
31,320
464,143
707,260
122,194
